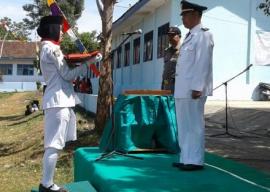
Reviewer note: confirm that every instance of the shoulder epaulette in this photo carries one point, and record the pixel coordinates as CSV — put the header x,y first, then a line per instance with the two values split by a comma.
x,y
204,29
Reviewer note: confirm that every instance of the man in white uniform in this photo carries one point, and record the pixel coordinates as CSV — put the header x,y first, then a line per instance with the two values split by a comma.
x,y
193,84
58,99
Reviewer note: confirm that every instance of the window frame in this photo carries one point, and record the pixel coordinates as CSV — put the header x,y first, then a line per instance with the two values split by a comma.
x,y
148,46
163,40
30,72
8,68
119,58
136,50
127,54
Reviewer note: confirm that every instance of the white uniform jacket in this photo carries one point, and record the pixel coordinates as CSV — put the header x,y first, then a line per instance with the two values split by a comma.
x,y
194,65
58,77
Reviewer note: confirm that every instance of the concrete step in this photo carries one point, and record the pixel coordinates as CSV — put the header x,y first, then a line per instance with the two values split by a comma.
x,y
82,186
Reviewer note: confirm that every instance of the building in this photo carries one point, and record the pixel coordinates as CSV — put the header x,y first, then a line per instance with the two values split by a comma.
x,y
138,63
16,66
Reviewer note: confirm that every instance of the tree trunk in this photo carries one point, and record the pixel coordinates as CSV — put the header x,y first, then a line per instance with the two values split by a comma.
x,y
105,93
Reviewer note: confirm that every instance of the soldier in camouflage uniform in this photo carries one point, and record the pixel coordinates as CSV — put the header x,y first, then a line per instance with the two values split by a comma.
x,y
170,59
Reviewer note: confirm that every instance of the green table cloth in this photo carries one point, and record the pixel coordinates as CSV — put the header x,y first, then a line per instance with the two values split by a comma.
x,y
141,121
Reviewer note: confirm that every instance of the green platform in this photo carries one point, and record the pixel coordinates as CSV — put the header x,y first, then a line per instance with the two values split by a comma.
x,y
82,186
155,174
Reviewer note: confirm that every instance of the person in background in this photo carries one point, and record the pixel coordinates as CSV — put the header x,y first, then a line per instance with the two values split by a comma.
x,y
193,83
28,110
89,89
77,84
58,99
34,107
83,85
170,59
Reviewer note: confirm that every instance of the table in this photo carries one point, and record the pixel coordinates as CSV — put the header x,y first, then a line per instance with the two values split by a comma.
x,y
141,122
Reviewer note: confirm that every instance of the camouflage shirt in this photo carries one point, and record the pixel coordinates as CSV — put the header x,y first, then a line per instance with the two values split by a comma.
x,y
170,60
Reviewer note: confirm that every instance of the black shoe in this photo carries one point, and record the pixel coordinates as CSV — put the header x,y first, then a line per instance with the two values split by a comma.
x,y
177,165
190,167
49,189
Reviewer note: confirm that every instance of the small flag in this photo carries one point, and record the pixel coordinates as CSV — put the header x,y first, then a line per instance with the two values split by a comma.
x,y
54,8
50,2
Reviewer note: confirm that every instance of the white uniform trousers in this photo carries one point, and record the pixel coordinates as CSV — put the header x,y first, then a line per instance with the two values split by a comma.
x,y
191,127
60,127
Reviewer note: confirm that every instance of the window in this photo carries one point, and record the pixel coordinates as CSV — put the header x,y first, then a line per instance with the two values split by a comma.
x,y
127,54
163,40
27,70
136,50
119,56
6,69
148,46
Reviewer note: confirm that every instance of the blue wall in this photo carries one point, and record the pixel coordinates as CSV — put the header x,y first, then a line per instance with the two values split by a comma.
x,y
233,24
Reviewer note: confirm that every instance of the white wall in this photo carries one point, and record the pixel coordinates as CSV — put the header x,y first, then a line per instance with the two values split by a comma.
x,y
88,102
17,86
16,82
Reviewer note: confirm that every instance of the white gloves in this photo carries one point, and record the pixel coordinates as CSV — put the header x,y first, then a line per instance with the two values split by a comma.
x,y
95,59
98,57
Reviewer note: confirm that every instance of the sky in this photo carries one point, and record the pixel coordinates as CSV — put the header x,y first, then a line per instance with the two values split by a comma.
x,y
89,21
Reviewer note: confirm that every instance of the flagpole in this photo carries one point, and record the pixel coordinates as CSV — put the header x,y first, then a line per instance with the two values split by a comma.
x,y
3,44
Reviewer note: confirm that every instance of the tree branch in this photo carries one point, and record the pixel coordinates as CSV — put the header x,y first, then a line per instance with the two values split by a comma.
x,y
100,7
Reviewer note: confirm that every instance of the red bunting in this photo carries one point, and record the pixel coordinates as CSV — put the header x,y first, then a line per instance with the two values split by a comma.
x,y
93,67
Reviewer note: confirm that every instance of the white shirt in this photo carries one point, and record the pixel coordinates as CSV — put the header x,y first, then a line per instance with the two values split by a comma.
x,y
194,65
58,77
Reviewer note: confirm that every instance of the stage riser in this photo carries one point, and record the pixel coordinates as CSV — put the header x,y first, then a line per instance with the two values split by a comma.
x,y
83,186
155,174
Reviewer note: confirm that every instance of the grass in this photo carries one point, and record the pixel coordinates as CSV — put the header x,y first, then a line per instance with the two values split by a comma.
x,y
21,143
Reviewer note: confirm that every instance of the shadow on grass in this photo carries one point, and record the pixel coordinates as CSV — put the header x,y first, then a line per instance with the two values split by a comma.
x,y
30,139
84,113
7,149
86,137
12,118
27,118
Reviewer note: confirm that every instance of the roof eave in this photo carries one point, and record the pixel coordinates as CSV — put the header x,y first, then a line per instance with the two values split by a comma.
x,y
129,13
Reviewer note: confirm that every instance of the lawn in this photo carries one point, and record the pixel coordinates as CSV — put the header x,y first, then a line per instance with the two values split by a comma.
x,y
21,143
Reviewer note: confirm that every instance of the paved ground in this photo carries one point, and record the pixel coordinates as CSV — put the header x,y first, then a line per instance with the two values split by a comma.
x,y
249,124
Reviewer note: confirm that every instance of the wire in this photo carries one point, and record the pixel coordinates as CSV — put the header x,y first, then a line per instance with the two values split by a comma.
x,y
120,6
124,6
238,177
